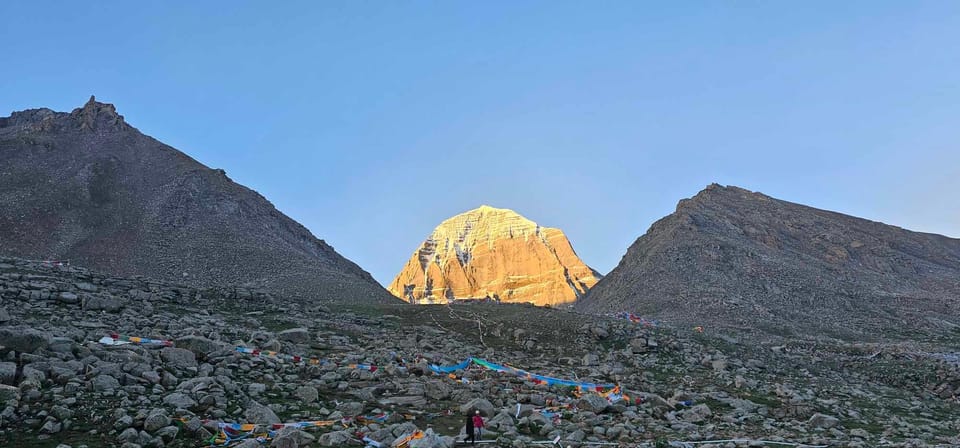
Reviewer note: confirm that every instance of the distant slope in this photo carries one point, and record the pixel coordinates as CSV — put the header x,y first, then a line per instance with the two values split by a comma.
x,y
494,253
87,187
732,257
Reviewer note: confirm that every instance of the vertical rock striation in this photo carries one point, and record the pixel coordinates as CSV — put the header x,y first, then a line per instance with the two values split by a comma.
x,y
494,253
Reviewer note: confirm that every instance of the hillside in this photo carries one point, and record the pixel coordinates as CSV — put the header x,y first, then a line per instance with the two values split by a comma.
x,y
87,187
731,257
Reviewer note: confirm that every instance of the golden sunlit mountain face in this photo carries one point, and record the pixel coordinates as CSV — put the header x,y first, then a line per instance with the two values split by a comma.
x,y
494,253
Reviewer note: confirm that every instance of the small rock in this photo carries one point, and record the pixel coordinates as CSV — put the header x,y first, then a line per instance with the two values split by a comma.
x,y
260,414
129,435
156,420
180,400
51,427
824,421
599,332
335,438
307,394
591,359
105,383
124,422
351,408
167,433
84,286
68,298
593,403
295,335
697,413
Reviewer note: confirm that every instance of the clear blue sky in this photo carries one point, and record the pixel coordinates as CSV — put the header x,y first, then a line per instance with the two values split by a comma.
x,y
370,122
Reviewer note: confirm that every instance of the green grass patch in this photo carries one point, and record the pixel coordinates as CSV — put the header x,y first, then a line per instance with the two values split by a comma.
x,y
872,427
767,400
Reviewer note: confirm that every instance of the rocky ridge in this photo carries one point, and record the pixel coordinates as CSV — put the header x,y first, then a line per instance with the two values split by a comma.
x,y
88,188
687,385
496,254
734,258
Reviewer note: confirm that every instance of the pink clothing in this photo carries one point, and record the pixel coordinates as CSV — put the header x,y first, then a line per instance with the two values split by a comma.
x,y
477,421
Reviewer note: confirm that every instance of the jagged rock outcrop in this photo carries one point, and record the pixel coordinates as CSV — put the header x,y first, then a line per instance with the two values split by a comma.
x,y
494,253
87,187
733,257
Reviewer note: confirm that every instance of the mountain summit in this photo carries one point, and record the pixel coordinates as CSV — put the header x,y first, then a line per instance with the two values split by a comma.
x,y
733,257
87,187
494,253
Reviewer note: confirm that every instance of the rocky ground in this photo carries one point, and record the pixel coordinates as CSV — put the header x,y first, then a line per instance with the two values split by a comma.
x,y
691,385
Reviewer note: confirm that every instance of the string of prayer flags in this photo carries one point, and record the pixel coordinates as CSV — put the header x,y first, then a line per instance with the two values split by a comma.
x,y
118,339
536,378
637,319
231,432
404,442
281,356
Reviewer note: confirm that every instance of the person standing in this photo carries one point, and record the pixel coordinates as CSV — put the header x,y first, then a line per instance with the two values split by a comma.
x,y
469,430
478,424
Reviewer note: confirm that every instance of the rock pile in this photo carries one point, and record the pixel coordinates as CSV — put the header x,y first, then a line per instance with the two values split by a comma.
x,y
683,385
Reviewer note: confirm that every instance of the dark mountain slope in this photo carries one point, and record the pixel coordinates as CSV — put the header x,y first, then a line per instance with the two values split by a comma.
x,y
732,257
87,187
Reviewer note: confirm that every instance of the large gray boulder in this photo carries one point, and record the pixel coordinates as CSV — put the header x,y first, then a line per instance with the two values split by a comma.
x,y
292,437
179,400
105,383
295,335
178,357
502,422
23,339
68,297
200,345
102,303
9,395
823,421
351,408
335,438
167,433
593,403
431,439
478,404
307,394
437,389
260,414
8,371
697,414
155,420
